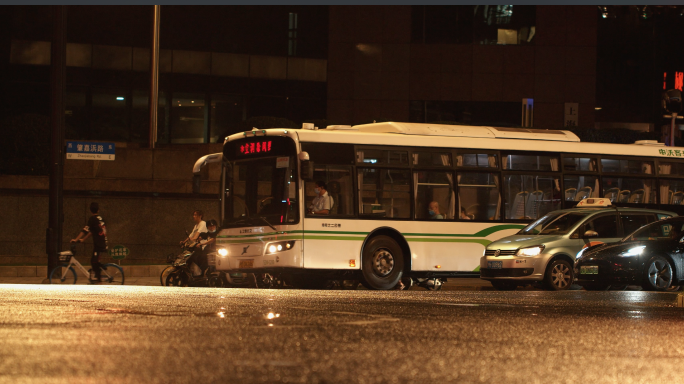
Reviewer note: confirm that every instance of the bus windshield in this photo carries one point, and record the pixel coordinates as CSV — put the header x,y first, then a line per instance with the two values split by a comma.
x,y
261,192
555,223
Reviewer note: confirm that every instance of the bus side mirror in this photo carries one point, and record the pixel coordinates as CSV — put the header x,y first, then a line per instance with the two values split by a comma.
x,y
307,170
196,183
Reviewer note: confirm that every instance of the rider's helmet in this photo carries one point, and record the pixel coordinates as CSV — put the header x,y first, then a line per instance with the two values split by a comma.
x,y
211,223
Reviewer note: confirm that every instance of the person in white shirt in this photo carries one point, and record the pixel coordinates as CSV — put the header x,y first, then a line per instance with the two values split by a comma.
x,y
200,226
322,203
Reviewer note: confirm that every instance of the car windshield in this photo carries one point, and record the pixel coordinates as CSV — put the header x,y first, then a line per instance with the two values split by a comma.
x,y
554,223
658,231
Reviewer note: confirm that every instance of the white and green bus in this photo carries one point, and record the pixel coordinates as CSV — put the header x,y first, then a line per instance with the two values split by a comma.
x,y
384,179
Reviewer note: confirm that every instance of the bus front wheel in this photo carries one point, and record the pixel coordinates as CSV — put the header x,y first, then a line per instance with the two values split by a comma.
x,y
383,263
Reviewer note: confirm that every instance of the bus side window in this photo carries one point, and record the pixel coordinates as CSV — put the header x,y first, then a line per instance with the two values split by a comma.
x,y
339,182
434,186
385,192
478,195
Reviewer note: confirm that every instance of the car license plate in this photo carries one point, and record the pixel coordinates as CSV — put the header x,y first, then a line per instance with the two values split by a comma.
x,y
236,274
495,264
589,270
247,263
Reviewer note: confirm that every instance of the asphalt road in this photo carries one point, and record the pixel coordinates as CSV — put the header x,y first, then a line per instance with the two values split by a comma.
x,y
140,334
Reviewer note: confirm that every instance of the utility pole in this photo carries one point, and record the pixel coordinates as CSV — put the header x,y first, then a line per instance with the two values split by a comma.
x,y
154,76
57,85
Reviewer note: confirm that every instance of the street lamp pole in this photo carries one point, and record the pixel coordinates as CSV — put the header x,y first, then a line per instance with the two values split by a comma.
x,y
57,85
154,77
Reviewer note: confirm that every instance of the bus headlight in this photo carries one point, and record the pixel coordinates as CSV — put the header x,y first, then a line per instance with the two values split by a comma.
x,y
530,251
222,252
279,247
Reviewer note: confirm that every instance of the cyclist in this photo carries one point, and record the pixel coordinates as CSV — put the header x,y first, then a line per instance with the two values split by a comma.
x,y
96,228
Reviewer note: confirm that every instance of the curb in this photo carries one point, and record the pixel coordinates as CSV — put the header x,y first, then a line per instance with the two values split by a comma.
x,y
41,270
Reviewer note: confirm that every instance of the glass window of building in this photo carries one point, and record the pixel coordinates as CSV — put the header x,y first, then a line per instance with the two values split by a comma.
x,y
504,24
187,118
76,116
140,116
109,116
227,111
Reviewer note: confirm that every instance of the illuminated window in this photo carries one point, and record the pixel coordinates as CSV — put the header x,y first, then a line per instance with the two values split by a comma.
x,y
292,35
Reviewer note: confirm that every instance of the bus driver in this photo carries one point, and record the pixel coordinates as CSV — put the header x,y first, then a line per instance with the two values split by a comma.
x,y
322,203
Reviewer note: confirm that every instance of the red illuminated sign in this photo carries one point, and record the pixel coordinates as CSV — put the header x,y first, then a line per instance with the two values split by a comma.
x,y
256,147
678,81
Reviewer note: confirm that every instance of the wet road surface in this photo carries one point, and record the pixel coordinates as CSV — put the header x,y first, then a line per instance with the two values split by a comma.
x,y
127,334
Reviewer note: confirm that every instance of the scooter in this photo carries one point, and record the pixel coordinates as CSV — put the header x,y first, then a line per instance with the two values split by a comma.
x,y
182,273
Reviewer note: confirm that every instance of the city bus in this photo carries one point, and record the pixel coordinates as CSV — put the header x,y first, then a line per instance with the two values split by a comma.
x,y
413,201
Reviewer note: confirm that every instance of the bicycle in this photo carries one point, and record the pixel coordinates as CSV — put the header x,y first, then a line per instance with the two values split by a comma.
x,y
65,272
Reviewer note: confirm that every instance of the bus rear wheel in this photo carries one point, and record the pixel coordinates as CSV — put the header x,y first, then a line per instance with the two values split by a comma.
x,y
382,263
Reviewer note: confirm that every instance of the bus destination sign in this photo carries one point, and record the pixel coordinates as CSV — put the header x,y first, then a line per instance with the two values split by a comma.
x,y
87,150
255,147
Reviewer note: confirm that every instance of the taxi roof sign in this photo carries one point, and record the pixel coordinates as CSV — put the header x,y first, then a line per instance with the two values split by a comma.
x,y
594,202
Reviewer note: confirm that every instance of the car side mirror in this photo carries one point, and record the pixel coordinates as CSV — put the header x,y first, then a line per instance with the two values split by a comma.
x,y
590,233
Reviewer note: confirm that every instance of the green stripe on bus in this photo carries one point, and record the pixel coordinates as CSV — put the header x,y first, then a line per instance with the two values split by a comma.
x,y
477,269
483,233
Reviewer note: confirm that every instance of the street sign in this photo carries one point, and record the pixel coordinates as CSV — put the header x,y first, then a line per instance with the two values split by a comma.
x,y
90,150
118,252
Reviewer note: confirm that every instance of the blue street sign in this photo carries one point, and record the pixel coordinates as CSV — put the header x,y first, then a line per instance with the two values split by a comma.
x,y
90,150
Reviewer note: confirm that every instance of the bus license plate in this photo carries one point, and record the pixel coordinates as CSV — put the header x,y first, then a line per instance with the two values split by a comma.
x,y
495,264
247,263
589,270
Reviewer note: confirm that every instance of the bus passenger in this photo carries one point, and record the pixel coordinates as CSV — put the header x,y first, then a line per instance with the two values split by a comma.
x,y
322,202
434,211
464,215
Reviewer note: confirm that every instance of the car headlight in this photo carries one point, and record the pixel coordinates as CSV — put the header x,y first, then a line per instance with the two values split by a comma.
x,y
222,251
530,251
580,253
636,251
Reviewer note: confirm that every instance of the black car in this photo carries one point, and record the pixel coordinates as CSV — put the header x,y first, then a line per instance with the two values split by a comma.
x,y
652,256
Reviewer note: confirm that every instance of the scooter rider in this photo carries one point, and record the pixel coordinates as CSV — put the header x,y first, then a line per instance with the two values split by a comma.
x,y
200,226
207,245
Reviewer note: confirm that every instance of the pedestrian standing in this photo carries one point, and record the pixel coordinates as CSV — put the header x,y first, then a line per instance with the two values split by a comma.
x,y
96,228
